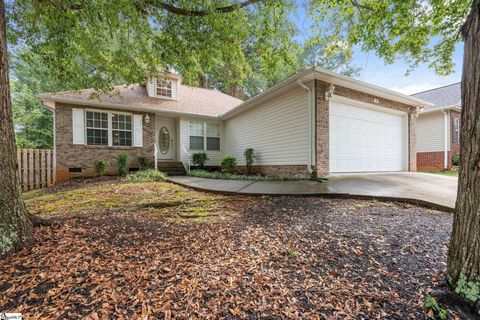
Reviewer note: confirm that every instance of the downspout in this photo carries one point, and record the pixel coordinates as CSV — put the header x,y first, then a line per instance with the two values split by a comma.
x,y
446,140
310,127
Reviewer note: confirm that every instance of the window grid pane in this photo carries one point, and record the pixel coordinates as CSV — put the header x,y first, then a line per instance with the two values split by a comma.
x,y
213,143
196,129
196,143
164,88
213,130
97,137
122,138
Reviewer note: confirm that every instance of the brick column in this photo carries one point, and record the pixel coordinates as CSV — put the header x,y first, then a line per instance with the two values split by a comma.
x,y
321,129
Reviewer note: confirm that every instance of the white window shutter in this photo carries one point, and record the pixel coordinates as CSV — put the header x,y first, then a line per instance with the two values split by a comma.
x,y
137,130
78,126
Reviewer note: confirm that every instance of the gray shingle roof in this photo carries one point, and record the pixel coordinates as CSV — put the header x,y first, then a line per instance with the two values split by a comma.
x,y
445,96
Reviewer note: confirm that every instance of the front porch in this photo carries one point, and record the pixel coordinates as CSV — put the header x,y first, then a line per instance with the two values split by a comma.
x,y
174,137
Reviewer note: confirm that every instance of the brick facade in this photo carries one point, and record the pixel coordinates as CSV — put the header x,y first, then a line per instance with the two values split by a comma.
x,y
277,170
322,122
430,160
69,155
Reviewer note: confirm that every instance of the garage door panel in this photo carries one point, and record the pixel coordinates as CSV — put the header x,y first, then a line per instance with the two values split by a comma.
x,y
363,140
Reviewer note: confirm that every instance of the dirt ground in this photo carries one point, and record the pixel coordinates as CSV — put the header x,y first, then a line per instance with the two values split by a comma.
x,y
157,250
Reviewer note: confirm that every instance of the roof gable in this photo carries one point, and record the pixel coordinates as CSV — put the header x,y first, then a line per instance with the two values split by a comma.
x,y
446,96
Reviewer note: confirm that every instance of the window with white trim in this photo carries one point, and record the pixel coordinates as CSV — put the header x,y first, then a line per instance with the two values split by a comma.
x,y
97,128
108,129
121,130
456,130
164,88
213,136
196,136
204,136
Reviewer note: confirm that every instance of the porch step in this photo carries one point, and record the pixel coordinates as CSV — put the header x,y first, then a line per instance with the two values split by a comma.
x,y
172,168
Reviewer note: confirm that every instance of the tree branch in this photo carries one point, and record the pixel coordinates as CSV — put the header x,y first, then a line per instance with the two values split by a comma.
x,y
200,13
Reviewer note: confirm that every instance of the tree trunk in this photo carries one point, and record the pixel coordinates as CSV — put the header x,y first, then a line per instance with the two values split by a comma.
x,y
15,225
463,271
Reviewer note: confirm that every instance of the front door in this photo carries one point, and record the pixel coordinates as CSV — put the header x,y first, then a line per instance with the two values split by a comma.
x,y
165,139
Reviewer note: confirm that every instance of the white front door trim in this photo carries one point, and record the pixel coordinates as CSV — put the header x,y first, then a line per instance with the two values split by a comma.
x,y
165,125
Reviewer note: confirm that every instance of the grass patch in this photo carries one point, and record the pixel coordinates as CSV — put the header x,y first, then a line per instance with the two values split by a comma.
x,y
442,172
149,175
159,198
231,176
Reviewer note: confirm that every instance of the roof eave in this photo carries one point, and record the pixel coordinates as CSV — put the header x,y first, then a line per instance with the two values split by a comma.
x,y
47,99
336,79
453,108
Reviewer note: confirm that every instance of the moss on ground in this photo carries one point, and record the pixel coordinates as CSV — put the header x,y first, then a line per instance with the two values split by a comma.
x,y
160,198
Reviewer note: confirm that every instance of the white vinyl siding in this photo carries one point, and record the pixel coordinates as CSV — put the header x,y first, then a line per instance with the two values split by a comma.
x,y
184,129
430,132
277,130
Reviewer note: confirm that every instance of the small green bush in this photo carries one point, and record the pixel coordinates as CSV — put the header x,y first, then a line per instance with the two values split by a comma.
x,y
250,157
144,162
122,161
101,166
228,164
199,159
456,159
148,175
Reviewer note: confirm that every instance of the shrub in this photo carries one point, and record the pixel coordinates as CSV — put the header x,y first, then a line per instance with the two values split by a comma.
x,y
199,159
148,175
144,162
122,160
456,159
228,164
101,166
250,157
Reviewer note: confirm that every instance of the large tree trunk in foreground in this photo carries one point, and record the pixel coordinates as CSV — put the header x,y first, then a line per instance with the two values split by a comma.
x,y
464,251
15,225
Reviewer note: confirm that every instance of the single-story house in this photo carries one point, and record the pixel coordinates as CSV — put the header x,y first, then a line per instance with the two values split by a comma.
x,y
314,122
438,127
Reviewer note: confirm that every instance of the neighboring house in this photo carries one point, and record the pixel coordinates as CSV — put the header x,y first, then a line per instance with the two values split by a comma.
x,y
438,127
314,122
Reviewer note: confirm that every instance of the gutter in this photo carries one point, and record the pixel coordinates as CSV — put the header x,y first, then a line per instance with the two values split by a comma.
x,y
310,126
454,108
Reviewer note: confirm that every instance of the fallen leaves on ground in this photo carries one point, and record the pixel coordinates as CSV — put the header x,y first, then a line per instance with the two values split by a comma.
x,y
125,251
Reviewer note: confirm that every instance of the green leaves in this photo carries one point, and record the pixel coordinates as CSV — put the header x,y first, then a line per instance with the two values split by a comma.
x,y
96,44
415,31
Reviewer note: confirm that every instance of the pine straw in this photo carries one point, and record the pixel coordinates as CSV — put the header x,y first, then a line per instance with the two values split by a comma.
x,y
258,258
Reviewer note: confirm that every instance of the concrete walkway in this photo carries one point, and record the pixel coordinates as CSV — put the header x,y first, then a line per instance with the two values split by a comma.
x,y
422,188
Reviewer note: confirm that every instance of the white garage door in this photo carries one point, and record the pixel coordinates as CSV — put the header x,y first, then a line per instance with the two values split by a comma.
x,y
364,139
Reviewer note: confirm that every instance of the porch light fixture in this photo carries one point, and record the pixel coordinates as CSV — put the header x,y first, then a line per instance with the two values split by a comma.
x,y
146,119
329,92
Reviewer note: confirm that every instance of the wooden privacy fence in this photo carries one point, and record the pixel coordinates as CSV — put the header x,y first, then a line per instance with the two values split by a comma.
x,y
35,168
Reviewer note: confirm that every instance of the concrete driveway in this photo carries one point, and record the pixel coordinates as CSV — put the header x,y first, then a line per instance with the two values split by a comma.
x,y
424,188
427,187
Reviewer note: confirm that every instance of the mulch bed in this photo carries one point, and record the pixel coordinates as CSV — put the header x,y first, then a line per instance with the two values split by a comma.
x,y
274,258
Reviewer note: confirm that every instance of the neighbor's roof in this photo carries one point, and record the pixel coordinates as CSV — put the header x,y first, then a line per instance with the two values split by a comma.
x,y
446,96
192,100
